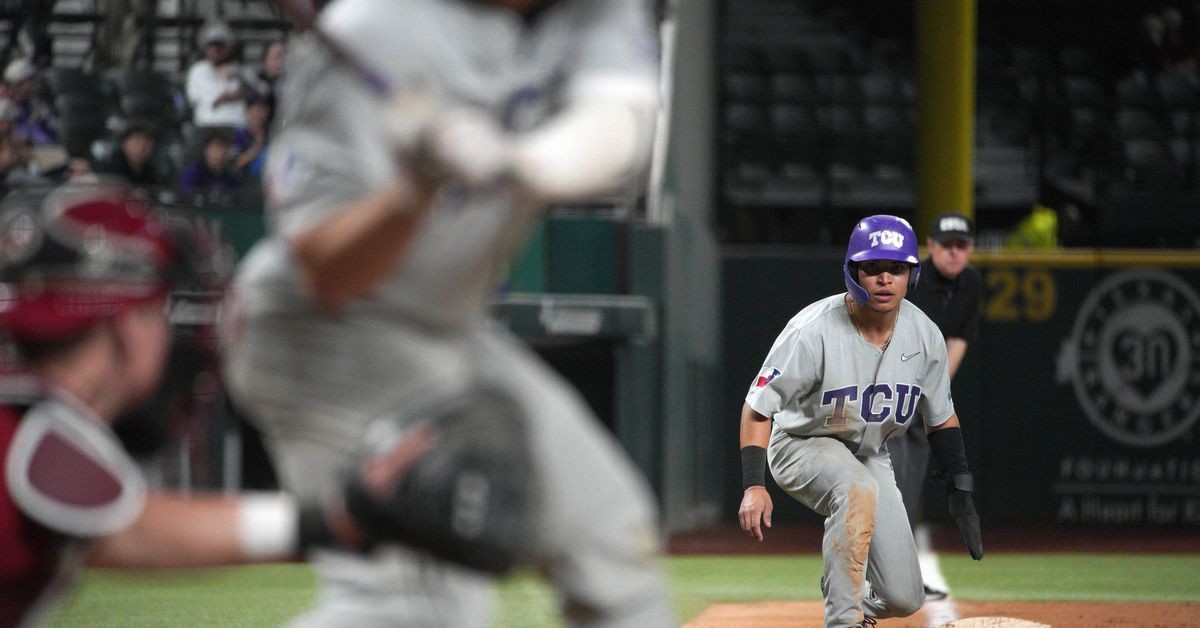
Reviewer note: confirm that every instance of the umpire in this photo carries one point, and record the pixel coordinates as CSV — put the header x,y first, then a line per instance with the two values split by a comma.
x,y
949,293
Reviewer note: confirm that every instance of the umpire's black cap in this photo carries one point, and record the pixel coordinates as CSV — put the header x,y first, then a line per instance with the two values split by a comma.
x,y
952,226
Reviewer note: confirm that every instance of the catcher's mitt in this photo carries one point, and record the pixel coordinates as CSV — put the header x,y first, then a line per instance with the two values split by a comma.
x,y
454,480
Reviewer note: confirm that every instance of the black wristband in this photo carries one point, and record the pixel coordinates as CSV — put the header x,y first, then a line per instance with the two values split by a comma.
x,y
754,466
947,446
314,528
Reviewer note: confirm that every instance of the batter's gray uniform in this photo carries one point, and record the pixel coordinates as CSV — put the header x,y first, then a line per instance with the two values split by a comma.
x,y
312,381
835,399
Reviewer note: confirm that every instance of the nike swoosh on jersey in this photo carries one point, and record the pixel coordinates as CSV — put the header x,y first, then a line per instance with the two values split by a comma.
x,y
905,357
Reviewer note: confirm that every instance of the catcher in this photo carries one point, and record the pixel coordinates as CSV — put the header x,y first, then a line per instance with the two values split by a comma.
x,y
86,272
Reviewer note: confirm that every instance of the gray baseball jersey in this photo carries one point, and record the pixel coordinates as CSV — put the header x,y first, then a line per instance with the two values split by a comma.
x,y
821,378
313,382
329,150
835,399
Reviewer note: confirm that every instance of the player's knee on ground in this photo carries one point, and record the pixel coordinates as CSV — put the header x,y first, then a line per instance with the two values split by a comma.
x,y
901,597
902,603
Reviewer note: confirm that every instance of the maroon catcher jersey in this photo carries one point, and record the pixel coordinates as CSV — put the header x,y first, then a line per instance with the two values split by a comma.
x,y
66,479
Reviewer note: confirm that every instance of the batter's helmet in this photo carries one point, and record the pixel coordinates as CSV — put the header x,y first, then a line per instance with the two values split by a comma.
x,y
80,253
880,237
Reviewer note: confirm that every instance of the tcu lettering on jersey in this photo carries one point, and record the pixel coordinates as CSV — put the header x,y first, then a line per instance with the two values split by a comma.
x,y
879,402
887,237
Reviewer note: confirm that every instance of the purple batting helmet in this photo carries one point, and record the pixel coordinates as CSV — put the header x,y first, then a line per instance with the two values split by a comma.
x,y
880,237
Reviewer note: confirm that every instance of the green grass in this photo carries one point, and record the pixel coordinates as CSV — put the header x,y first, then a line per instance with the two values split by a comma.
x,y
262,595
698,581
268,595
1113,577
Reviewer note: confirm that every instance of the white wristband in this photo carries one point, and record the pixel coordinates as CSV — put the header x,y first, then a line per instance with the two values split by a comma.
x,y
268,525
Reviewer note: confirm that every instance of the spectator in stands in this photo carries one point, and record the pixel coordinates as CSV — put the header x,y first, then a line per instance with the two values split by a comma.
x,y
211,178
271,71
250,141
8,116
216,89
14,164
122,36
79,170
131,161
27,29
1178,49
34,120
1150,56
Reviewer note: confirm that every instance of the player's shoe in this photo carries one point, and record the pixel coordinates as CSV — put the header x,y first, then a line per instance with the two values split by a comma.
x,y
934,595
867,622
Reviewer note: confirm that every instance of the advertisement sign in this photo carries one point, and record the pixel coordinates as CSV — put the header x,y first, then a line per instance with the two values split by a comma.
x,y
1089,393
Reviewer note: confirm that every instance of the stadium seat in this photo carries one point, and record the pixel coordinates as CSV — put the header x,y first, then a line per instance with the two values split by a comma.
x,y
786,59
69,105
1030,61
1181,102
743,58
1087,122
887,118
997,88
79,133
990,59
744,117
140,82
1083,91
839,118
1073,60
1138,123
745,85
1149,164
840,87
828,58
881,88
73,81
1177,91
792,87
146,106
792,119
1133,91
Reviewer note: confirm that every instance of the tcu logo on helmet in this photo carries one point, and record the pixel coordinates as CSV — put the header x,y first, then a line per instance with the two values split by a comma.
x,y
886,237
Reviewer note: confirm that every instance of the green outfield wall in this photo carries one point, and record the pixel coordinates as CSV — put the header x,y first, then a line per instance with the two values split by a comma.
x,y
1079,399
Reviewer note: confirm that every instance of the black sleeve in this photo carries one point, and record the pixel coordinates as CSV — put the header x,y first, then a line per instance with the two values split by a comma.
x,y
972,295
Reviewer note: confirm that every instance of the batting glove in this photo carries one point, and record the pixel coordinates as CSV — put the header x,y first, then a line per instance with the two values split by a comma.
x,y
959,490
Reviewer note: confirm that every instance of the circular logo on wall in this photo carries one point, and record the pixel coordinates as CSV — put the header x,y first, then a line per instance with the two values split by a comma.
x,y
1132,357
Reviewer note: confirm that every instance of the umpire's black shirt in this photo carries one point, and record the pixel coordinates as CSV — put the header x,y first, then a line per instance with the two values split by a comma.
x,y
952,304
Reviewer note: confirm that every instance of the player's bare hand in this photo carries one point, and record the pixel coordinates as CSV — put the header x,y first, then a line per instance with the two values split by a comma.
x,y
755,511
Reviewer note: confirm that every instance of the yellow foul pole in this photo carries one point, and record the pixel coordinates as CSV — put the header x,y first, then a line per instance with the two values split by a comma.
x,y
946,108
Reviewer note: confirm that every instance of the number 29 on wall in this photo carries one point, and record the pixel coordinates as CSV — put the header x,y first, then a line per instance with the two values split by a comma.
x,y
1016,294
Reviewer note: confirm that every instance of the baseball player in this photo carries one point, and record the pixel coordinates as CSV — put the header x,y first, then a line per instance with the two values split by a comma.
x,y
949,295
391,221
846,374
85,272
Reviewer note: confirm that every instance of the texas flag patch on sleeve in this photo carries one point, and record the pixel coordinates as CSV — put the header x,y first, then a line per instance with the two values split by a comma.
x,y
765,376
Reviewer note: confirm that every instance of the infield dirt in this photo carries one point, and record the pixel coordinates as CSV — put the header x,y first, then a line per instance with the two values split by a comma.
x,y
1057,614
